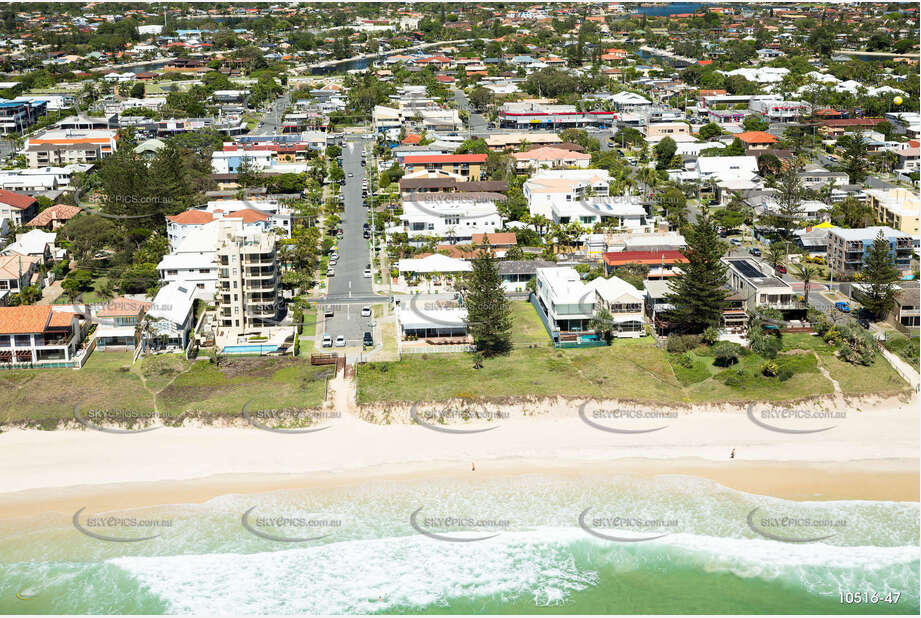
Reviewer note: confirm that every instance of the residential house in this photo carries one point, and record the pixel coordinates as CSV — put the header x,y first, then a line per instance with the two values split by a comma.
x,y
37,336
60,147
19,271
53,217
35,243
117,323
169,320
470,166
907,308
17,208
756,285
550,158
660,264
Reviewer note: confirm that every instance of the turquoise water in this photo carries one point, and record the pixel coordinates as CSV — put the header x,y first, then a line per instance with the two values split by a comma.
x,y
539,561
249,349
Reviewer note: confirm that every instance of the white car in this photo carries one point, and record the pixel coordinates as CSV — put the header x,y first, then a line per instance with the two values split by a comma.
x,y
340,341
367,273
366,311
327,341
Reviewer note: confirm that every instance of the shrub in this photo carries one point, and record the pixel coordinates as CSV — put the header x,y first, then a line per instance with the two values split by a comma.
x,y
785,374
770,369
710,336
726,353
685,360
678,344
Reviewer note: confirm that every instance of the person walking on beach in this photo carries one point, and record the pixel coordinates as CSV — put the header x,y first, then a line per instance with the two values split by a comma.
x,y
473,467
732,454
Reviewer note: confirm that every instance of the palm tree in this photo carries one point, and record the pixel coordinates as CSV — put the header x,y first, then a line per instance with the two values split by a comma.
x,y
776,253
806,272
602,322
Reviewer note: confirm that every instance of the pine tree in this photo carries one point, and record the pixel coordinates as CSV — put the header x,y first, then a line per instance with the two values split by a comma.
x,y
489,316
697,294
879,274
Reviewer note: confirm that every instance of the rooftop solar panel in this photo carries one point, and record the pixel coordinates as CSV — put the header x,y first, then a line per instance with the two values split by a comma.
x,y
746,268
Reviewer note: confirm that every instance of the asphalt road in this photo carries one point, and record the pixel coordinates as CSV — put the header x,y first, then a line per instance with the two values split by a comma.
x,y
271,121
349,287
476,122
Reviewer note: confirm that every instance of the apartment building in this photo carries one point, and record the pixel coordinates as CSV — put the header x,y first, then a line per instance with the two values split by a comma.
x,y
248,295
847,248
623,211
469,166
549,186
539,115
60,147
452,217
657,131
756,285
17,116
896,208
773,110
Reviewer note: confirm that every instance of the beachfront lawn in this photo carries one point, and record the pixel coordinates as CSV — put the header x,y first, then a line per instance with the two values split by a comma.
x,y
628,369
108,381
206,389
527,327
631,368
49,395
310,323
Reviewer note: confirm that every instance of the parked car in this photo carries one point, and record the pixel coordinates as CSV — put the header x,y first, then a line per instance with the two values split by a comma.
x,y
735,241
351,174
367,273
328,313
366,311
368,339
842,306
366,234
755,251
327,341
864,322
331,272
781,269
365,226
340,341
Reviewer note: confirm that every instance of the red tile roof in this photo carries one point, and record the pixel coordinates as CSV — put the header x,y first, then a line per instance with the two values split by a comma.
x,y
58,212
192,217
619,258
24,319
495,239
412,138
249,215
468,158
16,200
123,307
757,137
60,319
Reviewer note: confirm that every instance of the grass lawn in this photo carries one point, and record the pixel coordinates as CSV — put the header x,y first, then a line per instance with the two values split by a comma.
x,y
628,369
310,323
638,371
526,325
265,382
47,395
108,381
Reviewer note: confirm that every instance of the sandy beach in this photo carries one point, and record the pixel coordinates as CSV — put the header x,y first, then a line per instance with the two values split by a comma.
x,y
869,451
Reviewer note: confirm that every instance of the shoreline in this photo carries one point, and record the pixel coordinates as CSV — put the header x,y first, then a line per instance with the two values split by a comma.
x,y
894,480
864,448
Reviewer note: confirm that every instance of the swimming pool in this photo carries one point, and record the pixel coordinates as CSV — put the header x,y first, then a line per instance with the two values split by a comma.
x,y
263,348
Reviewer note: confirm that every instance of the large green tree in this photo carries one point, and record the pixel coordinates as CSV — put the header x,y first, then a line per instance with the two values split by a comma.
x,y
697,294
854,157
489,316
879,275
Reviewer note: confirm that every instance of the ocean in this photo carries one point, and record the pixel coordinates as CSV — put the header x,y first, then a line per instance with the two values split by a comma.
x,y
526,544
